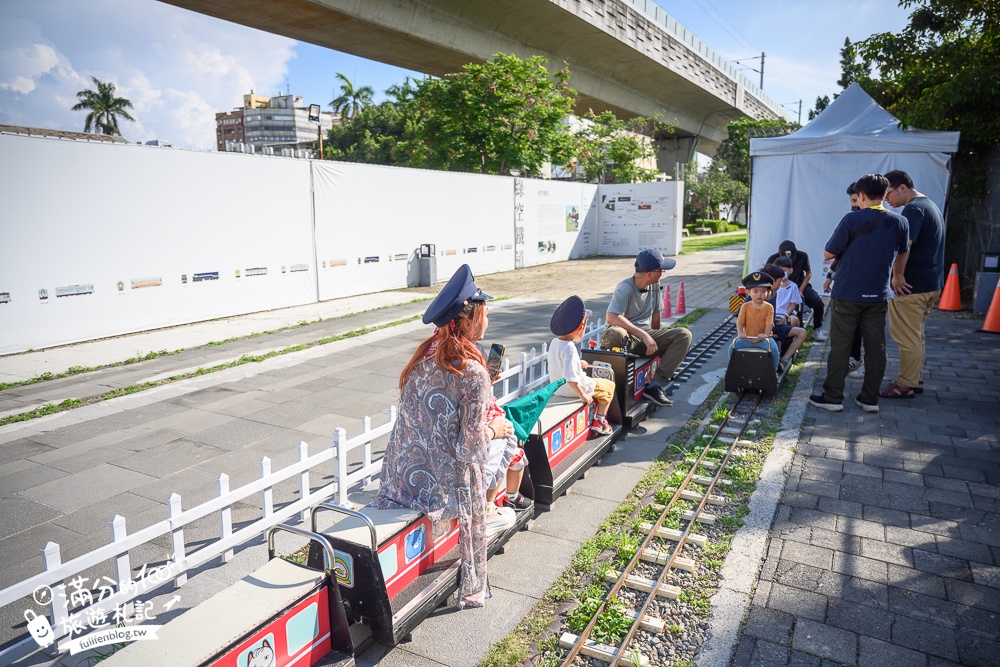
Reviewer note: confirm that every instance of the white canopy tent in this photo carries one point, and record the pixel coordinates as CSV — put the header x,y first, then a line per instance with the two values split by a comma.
x,y
799,180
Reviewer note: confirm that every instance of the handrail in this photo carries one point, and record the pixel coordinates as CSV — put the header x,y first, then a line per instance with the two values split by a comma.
x,y
314,510
322,539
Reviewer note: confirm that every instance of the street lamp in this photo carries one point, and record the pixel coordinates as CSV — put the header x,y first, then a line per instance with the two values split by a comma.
x,y
314,117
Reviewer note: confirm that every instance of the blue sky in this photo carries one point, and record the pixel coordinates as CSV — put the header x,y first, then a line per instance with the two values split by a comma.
x,y
178,68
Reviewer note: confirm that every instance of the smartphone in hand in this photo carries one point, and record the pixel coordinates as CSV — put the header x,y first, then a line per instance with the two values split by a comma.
x,y
494,360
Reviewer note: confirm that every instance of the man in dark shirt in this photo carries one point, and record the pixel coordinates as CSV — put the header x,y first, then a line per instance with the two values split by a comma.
x,y
923,279
801,273
869,242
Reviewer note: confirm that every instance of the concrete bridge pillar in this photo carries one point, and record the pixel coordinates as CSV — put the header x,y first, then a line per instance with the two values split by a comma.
x,y
673,150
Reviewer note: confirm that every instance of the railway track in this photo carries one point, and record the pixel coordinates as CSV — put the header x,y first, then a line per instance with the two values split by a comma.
x,y
705,348
647,585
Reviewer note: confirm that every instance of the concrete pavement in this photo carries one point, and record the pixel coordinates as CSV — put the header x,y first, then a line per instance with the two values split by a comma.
x,y
64,476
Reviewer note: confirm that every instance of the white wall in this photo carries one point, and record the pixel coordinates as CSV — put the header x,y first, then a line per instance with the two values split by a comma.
x,y
370,220
100,216
127,229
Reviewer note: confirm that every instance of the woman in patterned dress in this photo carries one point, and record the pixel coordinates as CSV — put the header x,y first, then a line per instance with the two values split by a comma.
x,y
435,461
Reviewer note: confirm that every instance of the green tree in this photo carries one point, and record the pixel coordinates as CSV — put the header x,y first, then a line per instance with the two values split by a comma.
x,y
940,72
104,108
504,114
712,186
614,150
351,99
850,71
821,104
734,151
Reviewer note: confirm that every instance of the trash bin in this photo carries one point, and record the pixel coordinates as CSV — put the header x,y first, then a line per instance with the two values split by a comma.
x,y
427,262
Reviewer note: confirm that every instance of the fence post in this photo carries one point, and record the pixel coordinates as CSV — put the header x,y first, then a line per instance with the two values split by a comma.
x,y
366,427
506,380
304,477
225,517
176,536
339,440
523,375
51,559
268,493
123,565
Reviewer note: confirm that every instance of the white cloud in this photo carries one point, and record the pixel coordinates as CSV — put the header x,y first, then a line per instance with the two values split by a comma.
x,y
177,68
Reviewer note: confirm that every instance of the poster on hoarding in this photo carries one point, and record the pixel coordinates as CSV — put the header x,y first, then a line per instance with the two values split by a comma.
x,y
637,216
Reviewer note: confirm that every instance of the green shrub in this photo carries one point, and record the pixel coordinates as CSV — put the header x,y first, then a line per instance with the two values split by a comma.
x,y
717,226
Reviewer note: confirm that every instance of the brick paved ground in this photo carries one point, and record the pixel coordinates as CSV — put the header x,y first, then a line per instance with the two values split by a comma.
x,y
886,546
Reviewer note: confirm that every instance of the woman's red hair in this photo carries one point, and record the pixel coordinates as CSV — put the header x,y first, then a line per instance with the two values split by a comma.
x,y
456,343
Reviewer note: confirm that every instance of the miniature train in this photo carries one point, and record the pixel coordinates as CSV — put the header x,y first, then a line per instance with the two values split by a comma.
x,y
392,567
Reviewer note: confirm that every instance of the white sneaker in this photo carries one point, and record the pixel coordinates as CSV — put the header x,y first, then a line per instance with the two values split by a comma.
x,y
854,364
858,373
498,519
819,335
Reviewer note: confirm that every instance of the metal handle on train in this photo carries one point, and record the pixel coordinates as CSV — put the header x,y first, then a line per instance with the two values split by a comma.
x,y
314,510
322,539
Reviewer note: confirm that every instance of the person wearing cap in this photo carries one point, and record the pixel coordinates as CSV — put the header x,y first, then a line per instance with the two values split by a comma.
x,y
801,273
633,320
437,460
568,324
755,321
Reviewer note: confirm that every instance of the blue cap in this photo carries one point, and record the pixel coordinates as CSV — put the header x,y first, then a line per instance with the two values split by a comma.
x,y
758,279
568,316
652,260
450,301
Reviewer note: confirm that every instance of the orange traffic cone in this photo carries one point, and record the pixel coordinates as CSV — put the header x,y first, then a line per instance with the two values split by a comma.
x,y
665,314
681,310
992,323
950,298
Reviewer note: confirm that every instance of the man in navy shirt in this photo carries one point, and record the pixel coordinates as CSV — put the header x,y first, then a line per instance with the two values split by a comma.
x,y
923,279
869,242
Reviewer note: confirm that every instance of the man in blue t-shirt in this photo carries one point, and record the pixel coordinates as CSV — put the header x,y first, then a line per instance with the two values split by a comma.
x,y
923,279
869,243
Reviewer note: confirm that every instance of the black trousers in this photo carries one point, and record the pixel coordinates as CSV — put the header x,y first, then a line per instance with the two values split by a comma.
x,y
846,317
813,300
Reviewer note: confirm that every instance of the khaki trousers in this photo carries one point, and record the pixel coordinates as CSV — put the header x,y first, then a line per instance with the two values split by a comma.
x,y
907,315
671,344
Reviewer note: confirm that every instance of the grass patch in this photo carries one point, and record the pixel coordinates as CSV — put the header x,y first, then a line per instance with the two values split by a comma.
x,y
697,244
691,317
70,403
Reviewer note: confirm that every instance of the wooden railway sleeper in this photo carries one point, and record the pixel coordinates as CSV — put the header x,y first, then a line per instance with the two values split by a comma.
x,y
603,652
675,535
645,585
688,494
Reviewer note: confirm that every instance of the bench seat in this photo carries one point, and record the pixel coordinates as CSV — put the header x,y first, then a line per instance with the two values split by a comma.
x,y
387,523
197,635
556,411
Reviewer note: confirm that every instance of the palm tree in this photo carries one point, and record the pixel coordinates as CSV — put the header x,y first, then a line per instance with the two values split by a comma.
x,y
104,107
351,99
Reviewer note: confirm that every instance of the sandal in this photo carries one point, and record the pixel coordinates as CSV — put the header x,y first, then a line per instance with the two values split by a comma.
x,y
919,389
893,390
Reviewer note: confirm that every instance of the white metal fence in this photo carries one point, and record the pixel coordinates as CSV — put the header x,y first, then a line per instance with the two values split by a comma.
x,y
71,612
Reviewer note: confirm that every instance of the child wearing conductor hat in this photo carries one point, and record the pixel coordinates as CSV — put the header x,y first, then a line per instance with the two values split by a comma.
x,y
567,324
755,322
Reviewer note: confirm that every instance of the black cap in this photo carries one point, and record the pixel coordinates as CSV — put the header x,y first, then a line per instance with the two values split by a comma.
x,y
450,301
758,279
787,248
568,316
652,260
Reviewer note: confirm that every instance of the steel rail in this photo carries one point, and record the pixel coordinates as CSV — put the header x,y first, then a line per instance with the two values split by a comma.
x,y
653,535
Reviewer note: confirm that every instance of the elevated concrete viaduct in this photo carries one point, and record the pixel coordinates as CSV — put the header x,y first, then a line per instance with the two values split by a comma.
x,y
627,56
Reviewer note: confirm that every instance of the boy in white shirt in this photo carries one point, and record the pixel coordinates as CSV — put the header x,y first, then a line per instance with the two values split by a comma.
x,y
568,323
788,297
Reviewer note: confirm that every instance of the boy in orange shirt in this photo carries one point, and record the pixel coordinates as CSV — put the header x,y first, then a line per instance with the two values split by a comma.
x,y
756,318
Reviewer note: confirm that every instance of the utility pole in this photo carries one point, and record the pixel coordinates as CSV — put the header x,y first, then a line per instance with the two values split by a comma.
x,y
762,70
800,112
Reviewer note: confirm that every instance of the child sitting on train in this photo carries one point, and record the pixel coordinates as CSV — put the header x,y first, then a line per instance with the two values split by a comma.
x,y
787,298
568,323
755,321
790,338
